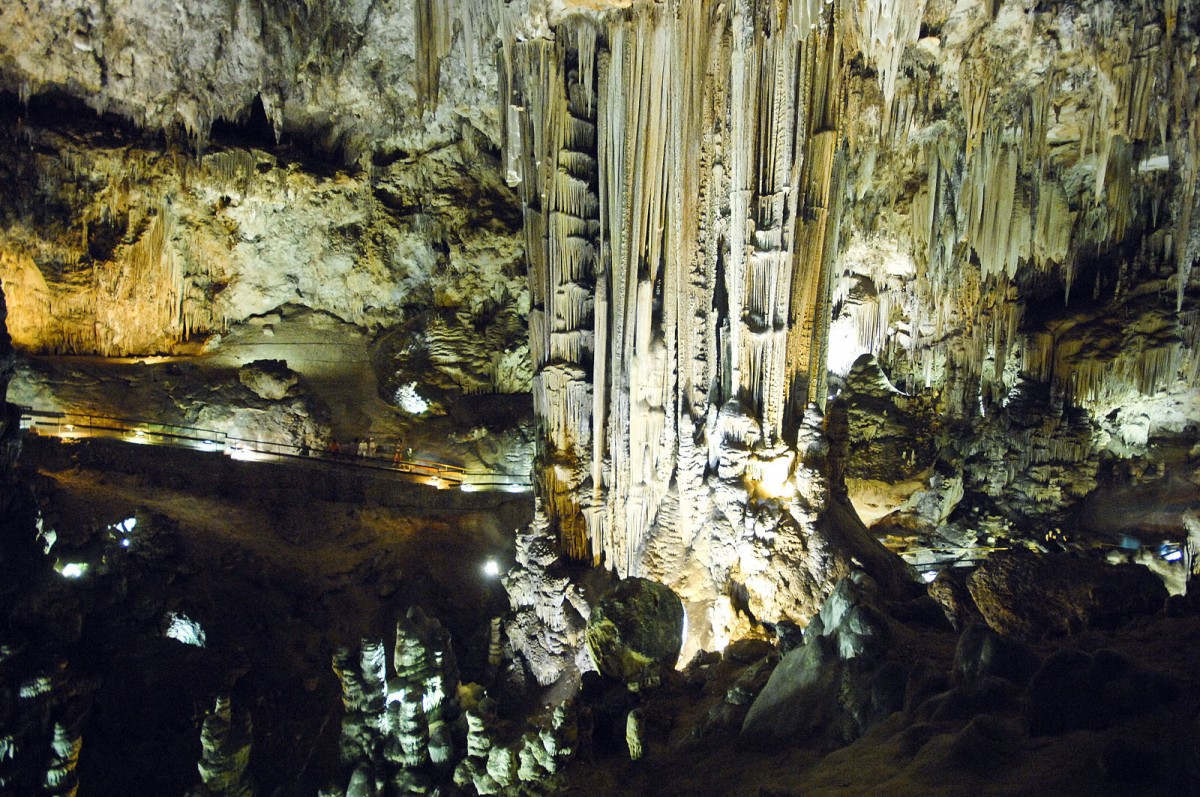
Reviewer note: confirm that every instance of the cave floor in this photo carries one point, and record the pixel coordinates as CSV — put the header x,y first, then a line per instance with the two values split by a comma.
x,y
278,580
955,754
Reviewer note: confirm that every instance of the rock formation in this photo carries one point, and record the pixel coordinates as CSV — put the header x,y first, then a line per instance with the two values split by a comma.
x,y
636,631
268,379
528,764
411,728
839,681
677,164
399,729
225,741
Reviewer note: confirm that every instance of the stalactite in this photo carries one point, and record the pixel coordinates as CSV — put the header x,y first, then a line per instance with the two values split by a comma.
x,y
678,173
433,37
1070,182
888,26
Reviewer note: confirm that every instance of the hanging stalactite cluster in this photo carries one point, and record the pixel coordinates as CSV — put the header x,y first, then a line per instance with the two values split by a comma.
x,y
678,162
1046,147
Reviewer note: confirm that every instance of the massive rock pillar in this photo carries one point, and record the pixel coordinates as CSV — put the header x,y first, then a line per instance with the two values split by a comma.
x,y
679,162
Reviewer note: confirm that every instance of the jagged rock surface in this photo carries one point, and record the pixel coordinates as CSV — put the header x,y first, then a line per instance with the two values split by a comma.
x,y
353,77
268,379
844,654
550,612
151,247
529,764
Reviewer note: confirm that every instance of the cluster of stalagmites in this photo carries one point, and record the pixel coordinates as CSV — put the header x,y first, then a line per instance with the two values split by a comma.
x,y
43,698
493,765
549,611
410,726
41,741
225,736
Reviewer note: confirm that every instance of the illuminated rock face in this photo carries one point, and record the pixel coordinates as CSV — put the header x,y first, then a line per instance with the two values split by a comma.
x,y
1020,204
351,76
1018,245
225,737
1000,200
400,718
150,249
10,422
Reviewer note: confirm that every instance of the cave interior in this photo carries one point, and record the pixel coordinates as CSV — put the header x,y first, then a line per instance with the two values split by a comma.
x,y
604,397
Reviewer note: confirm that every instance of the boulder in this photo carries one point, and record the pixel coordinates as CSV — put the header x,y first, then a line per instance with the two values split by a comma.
x,y
636,631
949,589
268,379
1036,596
748,651
982,653
839,682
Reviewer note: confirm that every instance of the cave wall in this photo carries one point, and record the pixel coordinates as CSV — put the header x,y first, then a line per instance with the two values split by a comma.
x,y
169,198
117,247
351,76
1020,236
1035,168
675,274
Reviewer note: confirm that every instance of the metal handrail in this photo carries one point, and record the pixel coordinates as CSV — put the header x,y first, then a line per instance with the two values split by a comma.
x,y
67,423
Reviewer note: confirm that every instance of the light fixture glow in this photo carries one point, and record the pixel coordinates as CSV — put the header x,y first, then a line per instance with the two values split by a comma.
x,y
73,569
491,568
1170,552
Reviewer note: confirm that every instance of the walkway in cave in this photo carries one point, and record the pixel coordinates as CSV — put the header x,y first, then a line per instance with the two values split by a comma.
x,y
146,432
196,394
